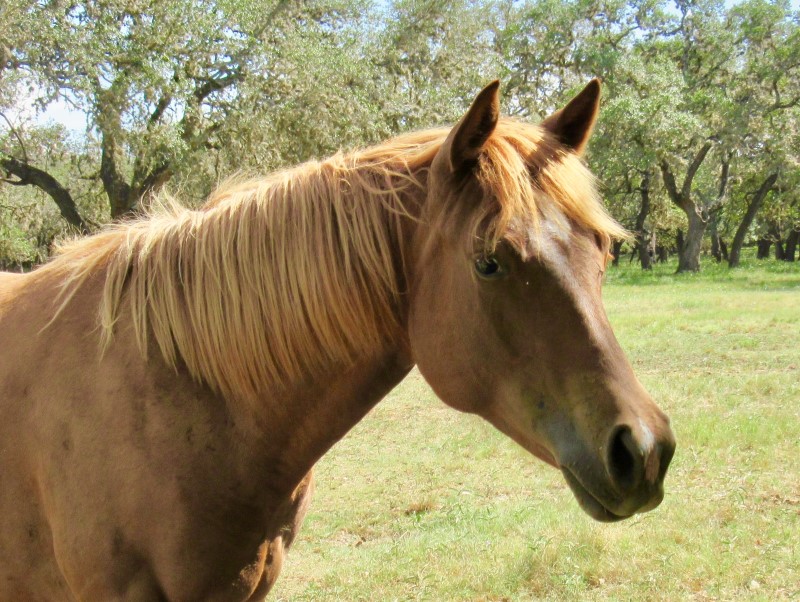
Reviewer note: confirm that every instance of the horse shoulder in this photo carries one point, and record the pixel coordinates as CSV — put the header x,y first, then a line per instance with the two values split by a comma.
x,y
143,480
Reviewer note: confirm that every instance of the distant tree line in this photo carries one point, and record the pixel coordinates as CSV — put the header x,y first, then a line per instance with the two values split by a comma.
x,y
696,149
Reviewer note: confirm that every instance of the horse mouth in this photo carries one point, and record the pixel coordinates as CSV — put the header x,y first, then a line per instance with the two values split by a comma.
x,y
588,502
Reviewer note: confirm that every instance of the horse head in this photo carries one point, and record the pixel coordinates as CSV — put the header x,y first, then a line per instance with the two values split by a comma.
x,y
506,318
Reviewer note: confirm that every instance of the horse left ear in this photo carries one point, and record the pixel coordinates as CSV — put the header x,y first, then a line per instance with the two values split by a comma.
x,y
573,124
470,134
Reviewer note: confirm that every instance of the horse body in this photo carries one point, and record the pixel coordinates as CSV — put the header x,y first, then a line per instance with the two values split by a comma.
x,y
167,452
141,483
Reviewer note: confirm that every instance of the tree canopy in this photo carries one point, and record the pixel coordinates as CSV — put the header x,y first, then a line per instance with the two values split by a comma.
x,y
696,147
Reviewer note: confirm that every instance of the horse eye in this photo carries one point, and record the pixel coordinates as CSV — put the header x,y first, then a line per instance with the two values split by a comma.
x,y
487,266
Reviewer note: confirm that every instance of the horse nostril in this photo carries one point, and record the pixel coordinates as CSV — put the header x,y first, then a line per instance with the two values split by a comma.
x,y
625,461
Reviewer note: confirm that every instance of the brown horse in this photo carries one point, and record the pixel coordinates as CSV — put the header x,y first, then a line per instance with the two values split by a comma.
x,y
166,386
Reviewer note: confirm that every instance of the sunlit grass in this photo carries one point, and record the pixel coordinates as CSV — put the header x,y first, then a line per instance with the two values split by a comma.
x,y
419,502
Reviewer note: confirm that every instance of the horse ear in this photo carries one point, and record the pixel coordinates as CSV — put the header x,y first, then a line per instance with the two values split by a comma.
x,y
471,133
573,124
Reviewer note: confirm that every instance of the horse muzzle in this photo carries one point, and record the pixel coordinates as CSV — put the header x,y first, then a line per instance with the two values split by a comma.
x,y
626,477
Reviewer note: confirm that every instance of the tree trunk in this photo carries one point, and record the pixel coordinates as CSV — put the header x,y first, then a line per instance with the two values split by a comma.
x,y
775,235
644,257
642,240
689,255
763,248
616,249
791,245
697,215
752,209
716,248
723,248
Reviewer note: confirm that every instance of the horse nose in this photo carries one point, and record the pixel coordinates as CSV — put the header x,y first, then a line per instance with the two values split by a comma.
x,y
638,460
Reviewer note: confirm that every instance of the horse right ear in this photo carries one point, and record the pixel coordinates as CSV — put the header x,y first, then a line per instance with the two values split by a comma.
x,y
467,138
573,125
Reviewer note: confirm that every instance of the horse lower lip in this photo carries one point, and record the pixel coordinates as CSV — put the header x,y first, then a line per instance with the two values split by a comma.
x,y
588,502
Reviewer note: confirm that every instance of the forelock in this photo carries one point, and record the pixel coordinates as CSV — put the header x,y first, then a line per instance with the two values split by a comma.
x,y
525,174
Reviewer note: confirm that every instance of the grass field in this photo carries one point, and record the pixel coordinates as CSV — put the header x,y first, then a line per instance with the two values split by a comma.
x,y
419,502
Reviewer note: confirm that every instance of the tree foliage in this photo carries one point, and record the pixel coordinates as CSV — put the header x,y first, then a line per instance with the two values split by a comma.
x,y
701,100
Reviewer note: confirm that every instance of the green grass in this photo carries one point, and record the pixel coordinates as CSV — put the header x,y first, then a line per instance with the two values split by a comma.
x,y
419,502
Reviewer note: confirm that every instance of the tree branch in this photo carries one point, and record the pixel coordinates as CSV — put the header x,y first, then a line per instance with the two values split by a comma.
x,y
691,171
752,209
778,104
157,177
722,194
109,124
669,183
16,135
161,106
33,176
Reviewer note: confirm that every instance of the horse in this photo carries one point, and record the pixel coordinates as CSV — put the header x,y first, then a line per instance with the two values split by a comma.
x,y
167,384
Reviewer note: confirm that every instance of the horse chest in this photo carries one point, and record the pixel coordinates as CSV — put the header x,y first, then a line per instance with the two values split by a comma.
x,y
154,496
182,527
237,548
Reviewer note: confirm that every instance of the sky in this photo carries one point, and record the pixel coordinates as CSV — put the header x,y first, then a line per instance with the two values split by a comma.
x,y
60,112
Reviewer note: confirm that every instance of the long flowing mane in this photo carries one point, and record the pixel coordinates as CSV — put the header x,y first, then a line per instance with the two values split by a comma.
x,y
278,278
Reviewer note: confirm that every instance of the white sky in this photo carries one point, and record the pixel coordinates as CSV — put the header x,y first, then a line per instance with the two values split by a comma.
x,y
60,112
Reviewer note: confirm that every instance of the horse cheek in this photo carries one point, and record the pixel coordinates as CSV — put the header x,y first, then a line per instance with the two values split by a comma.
x,y
446,346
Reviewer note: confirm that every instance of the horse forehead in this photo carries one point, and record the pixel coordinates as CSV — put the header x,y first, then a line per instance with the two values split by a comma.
x,y
557,229
550,239
553,247
552,251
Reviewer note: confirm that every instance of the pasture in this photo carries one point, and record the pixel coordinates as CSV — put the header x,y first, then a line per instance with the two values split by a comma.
x,y
419,502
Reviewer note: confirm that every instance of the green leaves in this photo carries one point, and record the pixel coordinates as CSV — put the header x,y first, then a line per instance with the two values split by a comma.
x,y
196,91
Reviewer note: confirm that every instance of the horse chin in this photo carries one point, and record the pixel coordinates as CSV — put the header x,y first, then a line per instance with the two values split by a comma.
x,y
588,502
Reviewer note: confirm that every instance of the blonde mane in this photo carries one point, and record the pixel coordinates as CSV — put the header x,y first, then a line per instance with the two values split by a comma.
x,y
280,278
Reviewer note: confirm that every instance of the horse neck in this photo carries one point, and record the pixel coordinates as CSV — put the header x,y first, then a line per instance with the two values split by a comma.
x,y
324,408
316,415
304,416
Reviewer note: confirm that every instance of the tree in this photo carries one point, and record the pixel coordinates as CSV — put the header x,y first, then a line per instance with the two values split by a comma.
x,y
430,57
767,100
702,48
160,82
700,98
637,120
29,223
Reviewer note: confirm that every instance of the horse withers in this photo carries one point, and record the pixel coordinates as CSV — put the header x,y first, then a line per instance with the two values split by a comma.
x,y
167,385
